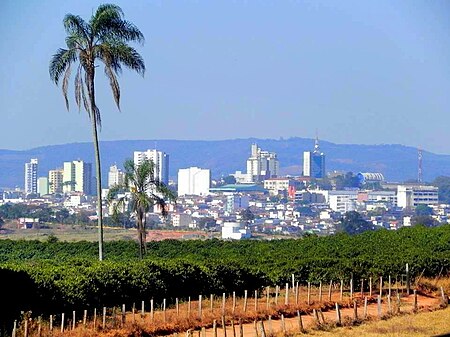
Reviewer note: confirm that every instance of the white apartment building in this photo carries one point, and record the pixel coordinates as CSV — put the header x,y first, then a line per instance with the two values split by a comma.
x,y
77,177
275,185
194,181
262,164
115,176
31,169
55,181
181,220
42,186
159,158
235,231
414,195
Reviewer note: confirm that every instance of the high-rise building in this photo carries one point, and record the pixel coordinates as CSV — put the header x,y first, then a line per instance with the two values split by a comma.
x,y
77,177
115,176
314,162
159,158
194,181
55,181
262,164
42,186
31,176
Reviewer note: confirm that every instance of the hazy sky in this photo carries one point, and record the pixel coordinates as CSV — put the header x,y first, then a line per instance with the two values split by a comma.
x,y
358,71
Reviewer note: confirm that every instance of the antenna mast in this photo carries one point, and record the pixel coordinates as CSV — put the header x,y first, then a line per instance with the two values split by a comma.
x,y
419,163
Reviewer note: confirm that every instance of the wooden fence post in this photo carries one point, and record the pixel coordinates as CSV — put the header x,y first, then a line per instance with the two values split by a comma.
x,y
444,299
300,322
211,301
351,287
329,291
370,286
365,307
164,309
51,323
261,329
124,314
270,325
203,332
416,307
341,295
224,327
297,293
200,306
152,311
320,292
14,329
338,315
408,285
177,307
223,303
241,328
73,320
355,310
234,302
389,286
39,326
245,300
286,297
25,328
189,306
398,303
362,288
283,324
389,304
233,328
84,318
276,295
381,286
293,281
104,318
256,301
142,309
267,298
309,293
214,328
62,322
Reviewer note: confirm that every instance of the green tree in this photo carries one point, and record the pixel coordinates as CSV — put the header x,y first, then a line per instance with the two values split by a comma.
x,y
353,223
423,210
103,38
443,183
145,191
424,220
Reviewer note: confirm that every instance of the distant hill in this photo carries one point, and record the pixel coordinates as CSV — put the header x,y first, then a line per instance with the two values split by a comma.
x,y
396,162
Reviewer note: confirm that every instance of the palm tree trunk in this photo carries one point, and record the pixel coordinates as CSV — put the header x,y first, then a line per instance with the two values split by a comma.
x,y
140,237
97,162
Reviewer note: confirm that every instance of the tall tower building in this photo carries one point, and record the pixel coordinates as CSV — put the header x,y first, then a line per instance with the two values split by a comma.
x,y
115,176
194,181
42,186
159,158
262,165
314,162
55,181
77,177
31,176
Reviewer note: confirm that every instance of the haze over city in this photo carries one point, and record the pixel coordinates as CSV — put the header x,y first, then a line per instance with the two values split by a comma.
x,y
359,72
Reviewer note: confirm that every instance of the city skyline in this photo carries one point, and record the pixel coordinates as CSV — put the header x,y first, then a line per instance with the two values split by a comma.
x,y
373,68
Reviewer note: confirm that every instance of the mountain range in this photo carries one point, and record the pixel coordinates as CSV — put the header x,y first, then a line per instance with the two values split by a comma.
x,y
396,162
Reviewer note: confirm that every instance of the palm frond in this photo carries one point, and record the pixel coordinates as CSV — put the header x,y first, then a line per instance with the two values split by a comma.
x,y
65,85
59,63
114,85
75,25
108,23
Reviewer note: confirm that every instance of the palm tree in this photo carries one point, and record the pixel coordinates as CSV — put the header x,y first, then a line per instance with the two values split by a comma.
x,y
104,38
141,190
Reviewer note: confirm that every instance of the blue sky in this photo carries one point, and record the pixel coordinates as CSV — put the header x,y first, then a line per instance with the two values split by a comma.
x,y
368,72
